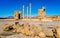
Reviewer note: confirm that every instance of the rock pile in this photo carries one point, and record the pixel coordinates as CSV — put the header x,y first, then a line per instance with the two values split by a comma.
x,y
32,30
57,32
26,29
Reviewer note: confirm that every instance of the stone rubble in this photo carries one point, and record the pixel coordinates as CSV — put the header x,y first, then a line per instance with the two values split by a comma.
x,y
31,30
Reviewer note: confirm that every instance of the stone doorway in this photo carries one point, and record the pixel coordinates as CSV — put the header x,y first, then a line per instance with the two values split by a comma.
x,y
19,16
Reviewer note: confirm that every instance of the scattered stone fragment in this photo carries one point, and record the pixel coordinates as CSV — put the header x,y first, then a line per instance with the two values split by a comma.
x,y
48,32
57,32
5,28
26,29
42,35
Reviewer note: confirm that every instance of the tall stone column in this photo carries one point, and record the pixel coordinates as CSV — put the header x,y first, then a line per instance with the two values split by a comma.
x,y
27,12
30,10
23,11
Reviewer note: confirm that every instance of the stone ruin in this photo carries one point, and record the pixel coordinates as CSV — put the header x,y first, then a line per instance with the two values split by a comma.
x,y
56,32
29,30
32,30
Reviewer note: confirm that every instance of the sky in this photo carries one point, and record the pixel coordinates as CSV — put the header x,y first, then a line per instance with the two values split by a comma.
x,y
8,7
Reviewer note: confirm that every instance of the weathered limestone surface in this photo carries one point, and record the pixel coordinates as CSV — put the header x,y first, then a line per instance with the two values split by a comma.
x,y
48,32
30,30
26,29
41,13
17,15
57,29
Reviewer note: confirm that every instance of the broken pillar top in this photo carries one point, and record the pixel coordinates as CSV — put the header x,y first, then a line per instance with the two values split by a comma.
x,y
43,8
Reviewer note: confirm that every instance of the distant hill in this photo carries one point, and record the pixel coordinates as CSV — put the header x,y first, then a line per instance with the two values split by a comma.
x,y
6,17
10,17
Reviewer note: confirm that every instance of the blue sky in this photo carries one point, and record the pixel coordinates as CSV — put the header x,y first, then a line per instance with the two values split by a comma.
x,y
8,7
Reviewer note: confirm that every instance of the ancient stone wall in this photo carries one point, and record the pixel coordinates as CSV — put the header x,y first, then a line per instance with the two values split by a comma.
x,y
41,13
17,15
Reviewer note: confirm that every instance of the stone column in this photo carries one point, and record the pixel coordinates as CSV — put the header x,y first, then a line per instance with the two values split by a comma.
x,y
27,12
23,11
30,10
